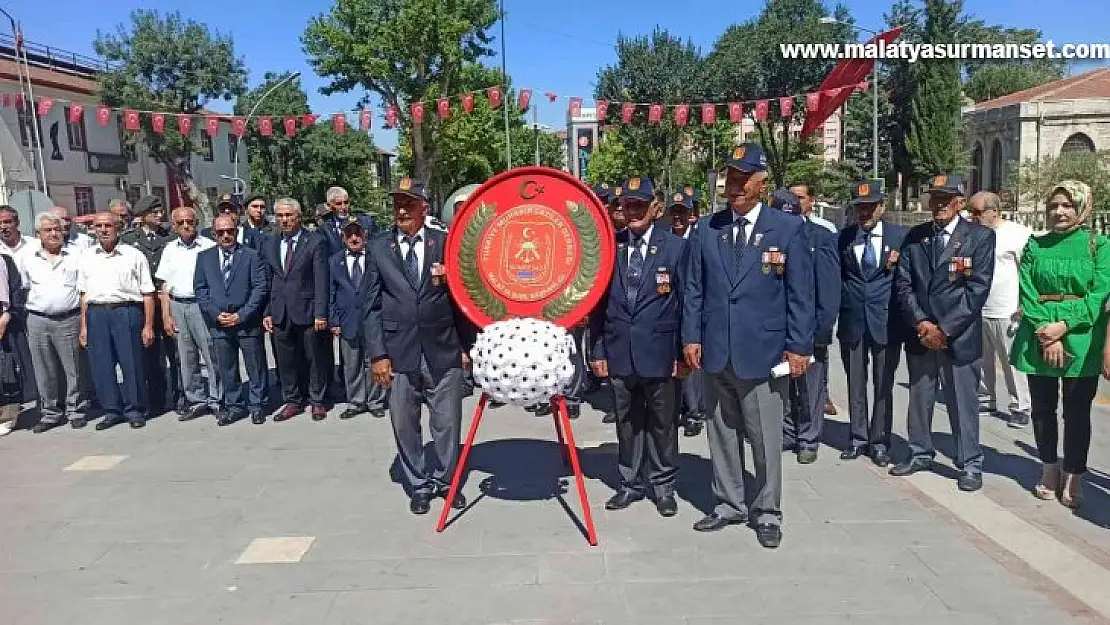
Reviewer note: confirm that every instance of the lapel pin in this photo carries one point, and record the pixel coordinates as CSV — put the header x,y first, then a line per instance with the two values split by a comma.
x,y
652,250
758,238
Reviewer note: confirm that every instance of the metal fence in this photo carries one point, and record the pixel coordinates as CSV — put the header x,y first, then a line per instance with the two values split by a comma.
x,y
39,55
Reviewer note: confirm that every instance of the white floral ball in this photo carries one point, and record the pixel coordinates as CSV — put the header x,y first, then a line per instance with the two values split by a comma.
x,y
523,361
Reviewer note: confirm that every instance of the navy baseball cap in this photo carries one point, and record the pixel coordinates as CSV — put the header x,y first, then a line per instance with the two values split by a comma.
x,y
948,184
748,158
869,191
411,188
681,199
638,189
602,192
785,201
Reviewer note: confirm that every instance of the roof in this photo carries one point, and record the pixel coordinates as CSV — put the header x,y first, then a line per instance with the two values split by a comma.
x,y
50,78
1091,85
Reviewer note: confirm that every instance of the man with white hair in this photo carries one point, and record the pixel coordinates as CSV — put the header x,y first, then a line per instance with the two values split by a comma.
x,y
332,228
122,210
71,239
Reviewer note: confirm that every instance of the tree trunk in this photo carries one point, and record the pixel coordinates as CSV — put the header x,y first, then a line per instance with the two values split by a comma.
x,y
420,168
184,179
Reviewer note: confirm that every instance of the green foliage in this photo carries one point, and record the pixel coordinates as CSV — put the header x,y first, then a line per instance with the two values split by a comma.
x,y
995,81
1033,180
936,121
612,161
859,134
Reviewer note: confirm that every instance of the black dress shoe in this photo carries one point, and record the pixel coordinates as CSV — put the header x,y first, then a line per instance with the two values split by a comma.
x,y
194,412
623,499
458,503
807,456
970,482
420,503
137,423
225,418
852,453
880,457
377,413
770,536
910,467
78,422
542,410
610,417
257,417
44,426
667,506
573,411
713,522
352,412
692,428
108,422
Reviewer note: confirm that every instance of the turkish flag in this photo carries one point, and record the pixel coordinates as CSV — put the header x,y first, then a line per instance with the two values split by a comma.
x,y
308,119
19,101
626,112
736,112
655,113
265,126
5,99
339,122
681,114
131,119
45,104
786,106
761,107
576,107
184,123
847,72
708,114
602,110
494,95
418,113
212,125
813,101
238,126
443,108
864,86
365,119
390,116
524,100
76,112
290,124
158,122
468,102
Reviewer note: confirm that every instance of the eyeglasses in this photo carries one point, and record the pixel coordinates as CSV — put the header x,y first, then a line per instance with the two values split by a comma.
x,y
224,231
341,202
183,222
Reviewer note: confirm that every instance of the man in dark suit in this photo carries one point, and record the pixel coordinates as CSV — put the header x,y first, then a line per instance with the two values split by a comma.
x,y
231,287
806,416
748,308
871,328
683,214
944,277
636,332
346,315
256,228
297,313
417,343
331,225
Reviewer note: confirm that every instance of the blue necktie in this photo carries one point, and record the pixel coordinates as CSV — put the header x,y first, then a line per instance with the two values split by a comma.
x,y
940,241
868,262
356,269
227,266
412,264
739,240
635,271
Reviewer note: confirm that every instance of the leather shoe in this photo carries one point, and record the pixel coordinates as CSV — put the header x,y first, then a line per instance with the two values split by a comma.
x,y
288,411
78,422
573,411
193,412
830,408
420,503
807,456
108,422
970,482
692,428
880,457
257,417
610,417
666,505
137,423
623,499
458,503
377,413
352,412
910,467
542,410
852,453
319,413
713,522
770,536
225,418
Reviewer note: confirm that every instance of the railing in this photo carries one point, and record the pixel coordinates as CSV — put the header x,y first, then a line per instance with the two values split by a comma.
x,y
56,59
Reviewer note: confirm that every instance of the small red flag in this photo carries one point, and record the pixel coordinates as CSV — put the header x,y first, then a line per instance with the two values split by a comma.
x,y
290,124
265,126
761,110
131,119
184,123
417,111
45,104
443,108
576,107
681,114
524,100
76,113
238,126
19,101
786,106
655,113
390,116
736,112
468,102
551,96
158,122
364,120
813,101
339,122
212,125
626,112
864,86
602,110
5,99
308,119
708,114
494,95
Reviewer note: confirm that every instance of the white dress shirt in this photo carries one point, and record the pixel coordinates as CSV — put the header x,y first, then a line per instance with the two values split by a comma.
x,y
404,247
948,231
751,216
296,240
179,264
19,253
119,276
352,259
51,283
876,241
643,243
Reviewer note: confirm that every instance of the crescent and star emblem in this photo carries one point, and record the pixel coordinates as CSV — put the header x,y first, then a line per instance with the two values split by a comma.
x,y
530,189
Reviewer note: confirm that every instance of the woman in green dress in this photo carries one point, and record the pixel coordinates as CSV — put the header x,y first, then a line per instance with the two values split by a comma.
x,y
1065,279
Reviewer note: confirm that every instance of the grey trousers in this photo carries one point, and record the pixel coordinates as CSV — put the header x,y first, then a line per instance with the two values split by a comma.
x,y
193,343
751,409
444,398
998,337
960,386
873,432
361,390
805,418
56,357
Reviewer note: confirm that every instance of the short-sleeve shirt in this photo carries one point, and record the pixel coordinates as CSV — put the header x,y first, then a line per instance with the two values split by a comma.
x,y
179,263
116,277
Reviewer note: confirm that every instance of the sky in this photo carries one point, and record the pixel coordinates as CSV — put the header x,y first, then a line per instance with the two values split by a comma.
x,y
550,46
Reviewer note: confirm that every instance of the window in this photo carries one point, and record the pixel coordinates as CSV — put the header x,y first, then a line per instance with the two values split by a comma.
x,y
996,165
160,193
83,200
26,133
977,168
1078,142
134,192
232,146
76,132
206,146
126,146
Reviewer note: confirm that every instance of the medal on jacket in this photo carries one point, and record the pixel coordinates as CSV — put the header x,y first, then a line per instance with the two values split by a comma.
x,y
437,271
774,260
959,265
662,281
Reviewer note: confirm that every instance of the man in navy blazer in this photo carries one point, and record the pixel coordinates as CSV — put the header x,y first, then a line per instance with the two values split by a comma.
x,y
871,328
944,277
331,226
297,312
697,399
636,332
808,393
748,308
346,315
231,288
418,343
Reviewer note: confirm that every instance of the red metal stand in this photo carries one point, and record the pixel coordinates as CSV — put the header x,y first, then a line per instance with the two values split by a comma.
x,y
566,445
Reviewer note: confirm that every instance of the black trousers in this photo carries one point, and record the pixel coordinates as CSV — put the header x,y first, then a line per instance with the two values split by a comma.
x,y
647,433
162,367
304,363
1079,393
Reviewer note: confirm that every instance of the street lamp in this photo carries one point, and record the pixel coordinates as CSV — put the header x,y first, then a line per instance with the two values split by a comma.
x,y
874,97
235,161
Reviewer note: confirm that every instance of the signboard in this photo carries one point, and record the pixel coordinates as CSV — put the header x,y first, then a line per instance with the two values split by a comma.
x,y
530,242
100,163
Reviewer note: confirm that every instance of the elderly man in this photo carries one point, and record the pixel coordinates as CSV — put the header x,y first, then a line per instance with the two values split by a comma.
x,y
748,312
331,224
18,247
53,306
122,210
696,403
117,311
71,239
231,287
804,193
297,313
182,318
1001,314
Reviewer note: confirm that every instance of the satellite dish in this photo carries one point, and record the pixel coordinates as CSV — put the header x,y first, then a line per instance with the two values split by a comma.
x,y
449,206
28,204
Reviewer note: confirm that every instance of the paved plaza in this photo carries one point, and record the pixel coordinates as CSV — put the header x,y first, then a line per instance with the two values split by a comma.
x,y
300,523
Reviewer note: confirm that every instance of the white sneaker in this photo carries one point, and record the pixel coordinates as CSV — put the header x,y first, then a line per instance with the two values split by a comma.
x,y
5,428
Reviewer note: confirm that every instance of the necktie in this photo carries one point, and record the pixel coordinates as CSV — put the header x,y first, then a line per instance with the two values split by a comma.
x,y
412,264
226,268
635,270
868,261
288,253
941,242
356,270
739,239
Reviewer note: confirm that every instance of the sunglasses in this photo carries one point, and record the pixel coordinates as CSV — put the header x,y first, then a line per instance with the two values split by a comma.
x,y
222,231
183,222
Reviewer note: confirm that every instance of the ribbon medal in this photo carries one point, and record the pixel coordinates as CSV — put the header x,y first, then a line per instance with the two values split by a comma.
x,y
774,260
662,281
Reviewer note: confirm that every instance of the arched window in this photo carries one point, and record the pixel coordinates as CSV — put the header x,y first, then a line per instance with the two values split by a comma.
x,y
996,165
977,168
1078,142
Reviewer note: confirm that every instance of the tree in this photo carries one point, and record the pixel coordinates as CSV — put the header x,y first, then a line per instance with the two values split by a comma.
x,y
275,161
899,80
859,132
345,160
995,81
166,63
612,162
1034,180
936,121
988,79
403,51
